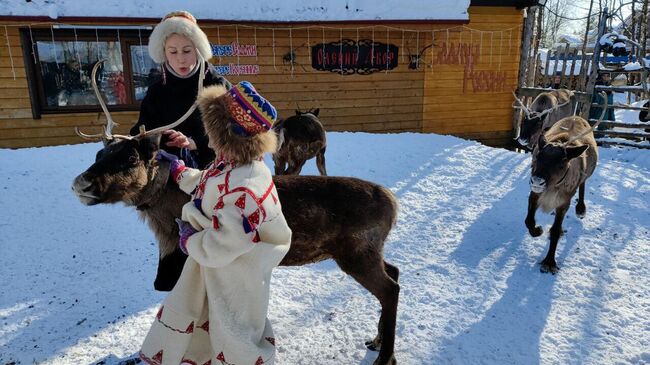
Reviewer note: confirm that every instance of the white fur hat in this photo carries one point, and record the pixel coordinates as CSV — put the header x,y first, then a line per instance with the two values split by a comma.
x,y
179,22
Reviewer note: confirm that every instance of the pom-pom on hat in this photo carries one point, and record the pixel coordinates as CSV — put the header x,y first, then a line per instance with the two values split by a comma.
x,y
250,112
179,22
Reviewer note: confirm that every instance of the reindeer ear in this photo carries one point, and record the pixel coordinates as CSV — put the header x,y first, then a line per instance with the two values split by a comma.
x,y
316,111
541,141
573,152
149,145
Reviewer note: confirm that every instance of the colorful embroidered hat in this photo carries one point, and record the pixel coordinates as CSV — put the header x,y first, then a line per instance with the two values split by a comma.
x,y
250,112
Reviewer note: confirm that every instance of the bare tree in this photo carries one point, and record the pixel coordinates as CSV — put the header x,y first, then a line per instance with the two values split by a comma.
x,y
554,22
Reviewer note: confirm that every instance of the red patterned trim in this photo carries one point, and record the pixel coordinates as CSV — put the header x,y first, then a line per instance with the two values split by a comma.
x,y
222,358
188,330
156,360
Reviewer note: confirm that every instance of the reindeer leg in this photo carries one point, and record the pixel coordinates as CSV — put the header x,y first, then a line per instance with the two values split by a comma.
x,y
581,208
295,167
279,164
549,264
368,270
375,344
533,229
320,162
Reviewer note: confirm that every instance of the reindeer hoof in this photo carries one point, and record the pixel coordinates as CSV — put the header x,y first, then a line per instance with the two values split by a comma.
x,y
581,210
390,361
536,231
374,345
549,268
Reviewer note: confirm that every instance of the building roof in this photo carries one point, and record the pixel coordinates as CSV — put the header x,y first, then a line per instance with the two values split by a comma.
x,y
248,10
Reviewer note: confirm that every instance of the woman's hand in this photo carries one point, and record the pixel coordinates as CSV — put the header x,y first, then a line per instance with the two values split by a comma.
x,y
178,139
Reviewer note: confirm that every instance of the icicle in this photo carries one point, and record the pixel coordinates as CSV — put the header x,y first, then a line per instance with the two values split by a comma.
x,y
56,58
433,40
97,44
491,46
76,51
119,45
500,41
447,43
273,46
255,39
387,49
11,58
372,48
141,51
292,54
31,37
460,46
480,47
341,49
219,45
417,50
357,58
402,45
237,41
308,47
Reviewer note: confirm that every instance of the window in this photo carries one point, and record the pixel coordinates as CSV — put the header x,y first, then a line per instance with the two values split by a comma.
x,y
59,70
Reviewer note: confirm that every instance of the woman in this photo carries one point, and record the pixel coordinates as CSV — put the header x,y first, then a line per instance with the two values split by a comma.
x,y
235,234
174,44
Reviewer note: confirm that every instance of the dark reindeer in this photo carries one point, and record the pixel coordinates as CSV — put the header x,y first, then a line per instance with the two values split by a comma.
x,y
300,138
546,110
564,158
340,218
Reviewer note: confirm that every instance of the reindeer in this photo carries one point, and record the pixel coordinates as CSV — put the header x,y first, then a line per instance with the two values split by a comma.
x,y
565,157
546,110
340,218
300,137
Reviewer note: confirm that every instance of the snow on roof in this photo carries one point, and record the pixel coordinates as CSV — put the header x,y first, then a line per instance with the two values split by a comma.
x,y
250,10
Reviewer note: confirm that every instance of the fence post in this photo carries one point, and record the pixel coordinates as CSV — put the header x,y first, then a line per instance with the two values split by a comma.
x,y
595,61
523,58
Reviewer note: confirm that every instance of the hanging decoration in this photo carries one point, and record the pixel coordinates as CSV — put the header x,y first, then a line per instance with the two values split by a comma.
x,y
344,56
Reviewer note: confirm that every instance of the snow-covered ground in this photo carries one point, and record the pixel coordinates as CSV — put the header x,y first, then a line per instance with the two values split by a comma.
x,y
76,281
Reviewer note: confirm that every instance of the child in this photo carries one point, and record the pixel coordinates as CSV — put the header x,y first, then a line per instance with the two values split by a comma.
x,y
234,233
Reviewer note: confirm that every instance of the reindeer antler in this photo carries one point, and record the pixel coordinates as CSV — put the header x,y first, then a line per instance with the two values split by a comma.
x,y
602,116
108,129
522,106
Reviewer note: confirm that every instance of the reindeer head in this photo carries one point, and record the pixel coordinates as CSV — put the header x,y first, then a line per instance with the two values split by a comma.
x,y
531,126
125,168
551,163
121,172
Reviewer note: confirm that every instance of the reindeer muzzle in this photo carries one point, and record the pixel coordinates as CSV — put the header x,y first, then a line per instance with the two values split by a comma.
x,y
82,188
537,184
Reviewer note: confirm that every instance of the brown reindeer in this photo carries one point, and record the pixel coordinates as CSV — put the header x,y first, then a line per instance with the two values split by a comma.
x,y
340,218
565,157
300,138
546,110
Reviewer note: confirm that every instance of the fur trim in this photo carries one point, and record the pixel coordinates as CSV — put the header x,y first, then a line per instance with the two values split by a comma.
x,y
219,128
182,26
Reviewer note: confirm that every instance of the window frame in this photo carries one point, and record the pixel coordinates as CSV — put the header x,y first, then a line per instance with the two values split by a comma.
x,y
127,38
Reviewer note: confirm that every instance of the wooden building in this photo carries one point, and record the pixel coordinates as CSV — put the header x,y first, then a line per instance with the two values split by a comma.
x,y
447,75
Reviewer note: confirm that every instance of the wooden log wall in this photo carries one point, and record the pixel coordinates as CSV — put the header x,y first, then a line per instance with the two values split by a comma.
x,y
442,95
470,96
